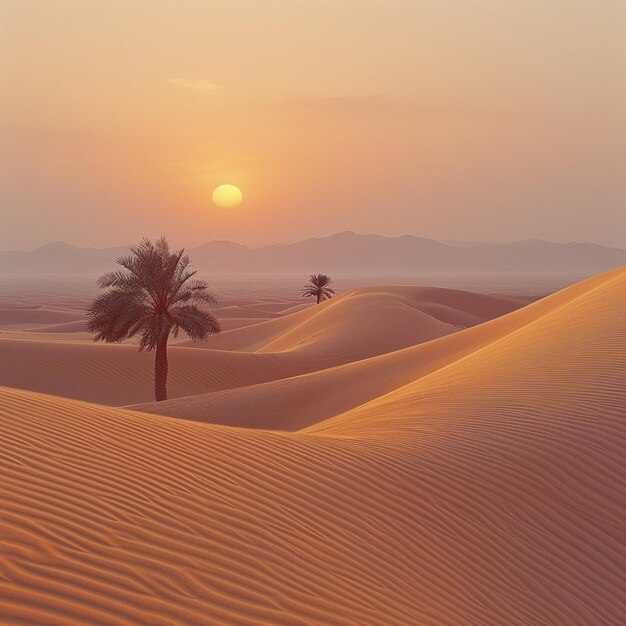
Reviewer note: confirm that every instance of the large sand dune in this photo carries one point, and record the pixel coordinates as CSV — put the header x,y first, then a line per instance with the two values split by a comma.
x,y
486,490
390,317
298,401
357,325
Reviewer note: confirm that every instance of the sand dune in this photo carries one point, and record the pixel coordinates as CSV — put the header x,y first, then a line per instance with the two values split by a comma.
x,y
244,312
37,316
297,307
562,355
394,317
484,492
78,326
298,401
70,321
119,374
359,324
231,323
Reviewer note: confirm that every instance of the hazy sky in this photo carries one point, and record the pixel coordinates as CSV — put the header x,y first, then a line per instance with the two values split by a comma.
x,y
466,119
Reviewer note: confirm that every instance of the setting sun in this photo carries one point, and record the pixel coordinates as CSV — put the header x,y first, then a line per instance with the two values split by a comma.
x,y
227,196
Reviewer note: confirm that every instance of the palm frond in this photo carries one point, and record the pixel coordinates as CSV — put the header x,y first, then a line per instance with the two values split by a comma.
x,y
117,279
113,314
195,322
196,292
150,297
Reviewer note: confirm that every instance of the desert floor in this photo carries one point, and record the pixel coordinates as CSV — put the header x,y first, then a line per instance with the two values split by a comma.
x,y
443,454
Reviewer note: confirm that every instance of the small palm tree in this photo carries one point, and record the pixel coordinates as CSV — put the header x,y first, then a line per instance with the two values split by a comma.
x,y
319,287
154,298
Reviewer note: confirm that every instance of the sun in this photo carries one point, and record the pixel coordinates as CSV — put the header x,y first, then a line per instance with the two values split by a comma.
x,y
227,196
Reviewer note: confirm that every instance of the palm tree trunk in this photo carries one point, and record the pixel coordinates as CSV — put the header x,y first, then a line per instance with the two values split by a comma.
x,y
160,371
319,295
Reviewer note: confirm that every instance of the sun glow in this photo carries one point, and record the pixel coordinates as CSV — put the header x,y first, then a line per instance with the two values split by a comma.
x,y
227,196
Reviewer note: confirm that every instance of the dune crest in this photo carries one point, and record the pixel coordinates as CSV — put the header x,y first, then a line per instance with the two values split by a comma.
x,y
381,318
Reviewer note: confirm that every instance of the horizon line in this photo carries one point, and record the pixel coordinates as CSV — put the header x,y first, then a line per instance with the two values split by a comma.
x,y
446,241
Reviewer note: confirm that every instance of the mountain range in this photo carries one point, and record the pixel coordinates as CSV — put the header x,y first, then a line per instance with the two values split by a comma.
x,y
345,252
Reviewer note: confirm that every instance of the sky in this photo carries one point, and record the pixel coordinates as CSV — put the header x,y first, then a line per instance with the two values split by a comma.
x,y
488,120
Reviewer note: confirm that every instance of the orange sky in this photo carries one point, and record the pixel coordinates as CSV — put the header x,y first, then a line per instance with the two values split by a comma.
x,y
466,119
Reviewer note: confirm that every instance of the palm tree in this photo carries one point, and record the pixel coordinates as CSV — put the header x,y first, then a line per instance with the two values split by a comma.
x,y
318,286
154,298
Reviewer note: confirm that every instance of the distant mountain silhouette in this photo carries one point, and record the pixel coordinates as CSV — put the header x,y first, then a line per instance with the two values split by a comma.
x,y
345,252
59,258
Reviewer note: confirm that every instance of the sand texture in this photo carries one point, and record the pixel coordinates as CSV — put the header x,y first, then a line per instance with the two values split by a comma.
x,y
431,474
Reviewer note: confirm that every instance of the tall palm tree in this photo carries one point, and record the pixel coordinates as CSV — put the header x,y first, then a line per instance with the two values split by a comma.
x,y
319,287
154,298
